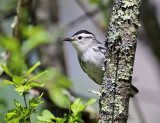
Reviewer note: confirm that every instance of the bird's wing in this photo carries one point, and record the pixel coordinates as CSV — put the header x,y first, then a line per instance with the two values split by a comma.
x,y
101,48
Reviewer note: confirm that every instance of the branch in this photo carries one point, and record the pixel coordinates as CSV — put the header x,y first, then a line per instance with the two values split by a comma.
x,y
120,47
85,9
22,19
105,10
84,17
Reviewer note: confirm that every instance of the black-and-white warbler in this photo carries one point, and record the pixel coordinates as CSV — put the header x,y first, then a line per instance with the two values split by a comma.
x,y
91,55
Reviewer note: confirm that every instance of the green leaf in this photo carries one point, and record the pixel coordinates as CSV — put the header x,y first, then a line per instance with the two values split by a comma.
x,y
77,106
79,118
58,97
61,120
9,43
18,115
68,103
8,82
24,82
9,116
17,104
38,75
22,89
12,114
31,69
91,101
76,118
63,81
16,63
47,116
34,84
40,96
6,69
34,101
17,79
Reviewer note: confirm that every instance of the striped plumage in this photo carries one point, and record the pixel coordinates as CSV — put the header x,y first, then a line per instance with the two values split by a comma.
x,y
91,55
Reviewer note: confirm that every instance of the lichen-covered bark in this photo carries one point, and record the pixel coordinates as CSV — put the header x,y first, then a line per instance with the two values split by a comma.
x,y
121,46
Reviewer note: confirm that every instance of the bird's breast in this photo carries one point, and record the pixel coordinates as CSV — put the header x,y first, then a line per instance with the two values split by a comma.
x,y
92,65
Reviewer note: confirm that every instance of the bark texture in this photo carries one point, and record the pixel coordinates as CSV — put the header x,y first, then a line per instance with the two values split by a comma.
x,y
121,47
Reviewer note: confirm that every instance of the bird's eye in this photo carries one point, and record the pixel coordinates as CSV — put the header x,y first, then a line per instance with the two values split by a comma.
x,y
80,37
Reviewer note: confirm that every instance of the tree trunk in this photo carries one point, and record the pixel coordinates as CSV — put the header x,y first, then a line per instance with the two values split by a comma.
x,y
120,47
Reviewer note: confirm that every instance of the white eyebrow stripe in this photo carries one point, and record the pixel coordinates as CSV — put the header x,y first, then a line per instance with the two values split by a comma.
x,y
86,35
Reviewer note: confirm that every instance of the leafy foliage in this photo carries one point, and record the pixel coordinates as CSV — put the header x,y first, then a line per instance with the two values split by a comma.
x,y
20,82
21,113
13,46
34,37
76,117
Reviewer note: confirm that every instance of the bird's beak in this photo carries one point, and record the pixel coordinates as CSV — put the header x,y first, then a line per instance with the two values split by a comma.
x,y
68,39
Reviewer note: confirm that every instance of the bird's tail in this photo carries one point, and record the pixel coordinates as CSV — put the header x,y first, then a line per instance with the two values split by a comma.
x,y
133,91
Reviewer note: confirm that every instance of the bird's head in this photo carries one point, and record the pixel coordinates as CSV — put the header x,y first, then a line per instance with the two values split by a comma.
x,y
81,40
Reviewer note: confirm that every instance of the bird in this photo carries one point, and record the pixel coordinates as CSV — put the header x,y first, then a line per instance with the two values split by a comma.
x,y
91,55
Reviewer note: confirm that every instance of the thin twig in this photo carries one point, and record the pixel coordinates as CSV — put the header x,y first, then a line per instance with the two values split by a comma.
x,y
24,96
84,17
105,10
85,9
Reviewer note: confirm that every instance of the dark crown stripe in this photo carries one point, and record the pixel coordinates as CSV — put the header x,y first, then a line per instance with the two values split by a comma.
x,y
82,31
